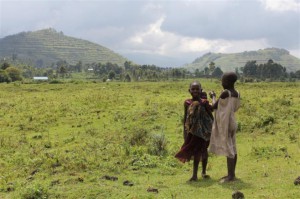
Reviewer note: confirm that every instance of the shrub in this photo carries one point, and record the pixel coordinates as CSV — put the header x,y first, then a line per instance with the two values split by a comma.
x,y
55,81
139,136
158,144
268,151
36,192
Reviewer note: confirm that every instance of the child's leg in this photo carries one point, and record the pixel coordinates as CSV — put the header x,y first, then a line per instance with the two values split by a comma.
x,y
204,165
235,160
195,169
231,164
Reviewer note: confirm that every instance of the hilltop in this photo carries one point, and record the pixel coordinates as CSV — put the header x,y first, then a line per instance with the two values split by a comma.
x,y
228,62
44,47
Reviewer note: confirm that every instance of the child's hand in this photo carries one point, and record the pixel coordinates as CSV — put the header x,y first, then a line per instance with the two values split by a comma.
x,y
212,94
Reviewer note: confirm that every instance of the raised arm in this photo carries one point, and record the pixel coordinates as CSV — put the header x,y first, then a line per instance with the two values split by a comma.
x,y
215,101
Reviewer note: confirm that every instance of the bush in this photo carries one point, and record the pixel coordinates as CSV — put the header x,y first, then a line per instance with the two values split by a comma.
x,y
4,77
158,145
36,192
55,82
14,73
139,136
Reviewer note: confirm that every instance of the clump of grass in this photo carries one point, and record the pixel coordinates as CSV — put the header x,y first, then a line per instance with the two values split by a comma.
x,y
37,191
268,151
139,136
158,145
146,161
147,101
91,131
284,102
293,137
265,121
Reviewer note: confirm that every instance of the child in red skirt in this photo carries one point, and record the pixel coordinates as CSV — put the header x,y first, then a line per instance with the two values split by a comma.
x,y
198,121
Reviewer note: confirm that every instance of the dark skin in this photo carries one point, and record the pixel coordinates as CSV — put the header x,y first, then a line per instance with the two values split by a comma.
x,y
228,80
195,90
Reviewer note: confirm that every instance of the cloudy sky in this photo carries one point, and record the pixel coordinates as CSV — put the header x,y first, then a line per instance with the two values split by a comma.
x,y
162,32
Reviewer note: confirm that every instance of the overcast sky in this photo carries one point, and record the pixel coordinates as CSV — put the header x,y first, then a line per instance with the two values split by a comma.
x,y
162,32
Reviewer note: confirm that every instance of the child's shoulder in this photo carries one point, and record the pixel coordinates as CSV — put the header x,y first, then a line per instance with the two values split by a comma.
x,y
229,93
188,102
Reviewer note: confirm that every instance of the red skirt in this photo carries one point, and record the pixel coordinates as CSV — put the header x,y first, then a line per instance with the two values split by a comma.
x,y
193,146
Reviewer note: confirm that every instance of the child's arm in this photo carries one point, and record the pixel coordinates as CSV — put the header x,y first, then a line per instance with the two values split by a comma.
x,y
212,95
215,101
186,105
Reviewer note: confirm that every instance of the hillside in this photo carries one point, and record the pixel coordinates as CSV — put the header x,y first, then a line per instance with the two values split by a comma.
x,y
228,62
44,47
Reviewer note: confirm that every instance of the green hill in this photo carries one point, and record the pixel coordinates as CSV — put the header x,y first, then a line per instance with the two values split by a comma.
x,y
44,47
228,62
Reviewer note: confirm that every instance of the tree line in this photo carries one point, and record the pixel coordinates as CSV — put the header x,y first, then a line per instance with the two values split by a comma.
x,y
133,72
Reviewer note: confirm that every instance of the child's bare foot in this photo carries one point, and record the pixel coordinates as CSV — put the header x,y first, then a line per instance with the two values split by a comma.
x,y
205,176
193,179
227,179
223,178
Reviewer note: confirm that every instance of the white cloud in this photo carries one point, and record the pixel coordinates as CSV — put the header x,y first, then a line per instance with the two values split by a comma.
x,y
154,40
281,5
173,29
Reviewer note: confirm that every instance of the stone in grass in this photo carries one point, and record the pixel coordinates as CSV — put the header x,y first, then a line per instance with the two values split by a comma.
x,y
112,178
297,181
128,183
237,195
151,189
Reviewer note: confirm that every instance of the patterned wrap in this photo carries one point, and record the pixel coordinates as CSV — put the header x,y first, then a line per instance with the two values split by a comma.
x,y
199,119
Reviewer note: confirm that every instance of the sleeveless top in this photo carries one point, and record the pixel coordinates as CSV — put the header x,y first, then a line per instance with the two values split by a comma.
x,y
224,128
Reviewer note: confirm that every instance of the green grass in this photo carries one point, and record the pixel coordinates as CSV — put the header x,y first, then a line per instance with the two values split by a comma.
x,y
59,140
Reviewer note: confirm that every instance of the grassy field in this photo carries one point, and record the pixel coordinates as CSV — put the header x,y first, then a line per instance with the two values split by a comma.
x,y
85,139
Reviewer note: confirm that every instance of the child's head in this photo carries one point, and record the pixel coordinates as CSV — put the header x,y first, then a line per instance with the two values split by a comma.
x,y
228,80
195,89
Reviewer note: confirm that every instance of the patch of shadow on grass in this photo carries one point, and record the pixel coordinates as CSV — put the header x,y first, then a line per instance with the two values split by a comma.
x,y
237,184
202,182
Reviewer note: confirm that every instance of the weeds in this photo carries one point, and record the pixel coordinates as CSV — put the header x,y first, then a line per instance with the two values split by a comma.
x,y
268,151
36,191
158,145
139,136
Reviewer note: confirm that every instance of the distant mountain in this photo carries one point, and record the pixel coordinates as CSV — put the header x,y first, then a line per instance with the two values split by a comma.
x,y
44,47
228,62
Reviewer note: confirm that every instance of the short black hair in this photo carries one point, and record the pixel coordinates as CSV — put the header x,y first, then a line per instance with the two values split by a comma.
x,y
195,82
230,77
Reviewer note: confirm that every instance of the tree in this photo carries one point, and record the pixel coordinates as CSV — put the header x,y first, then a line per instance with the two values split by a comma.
x,y
250,69
127,78
206,71
297,74
5,65
62,70
217,72
111,75
197,72
14,73
127,65
78,66
4,76
212,67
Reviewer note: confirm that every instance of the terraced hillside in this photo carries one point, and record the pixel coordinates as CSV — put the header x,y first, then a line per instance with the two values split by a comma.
x,y
231,61
44,47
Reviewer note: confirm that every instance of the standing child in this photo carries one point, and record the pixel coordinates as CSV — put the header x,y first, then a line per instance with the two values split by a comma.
x,y
223,141
197,130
